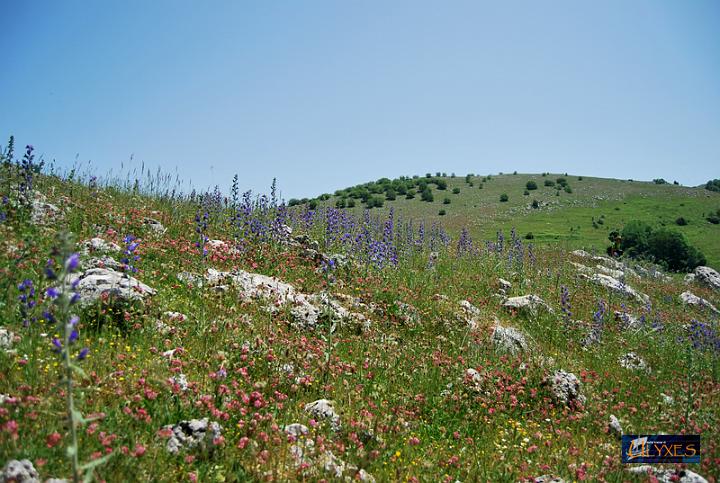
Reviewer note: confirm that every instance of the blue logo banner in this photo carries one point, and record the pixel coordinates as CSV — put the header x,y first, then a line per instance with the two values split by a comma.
x,y
661,448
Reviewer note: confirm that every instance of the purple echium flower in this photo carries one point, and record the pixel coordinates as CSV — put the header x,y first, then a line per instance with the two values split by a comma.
x,y
129,254
201,225
464,245
703,337
27,301
565,305
62,299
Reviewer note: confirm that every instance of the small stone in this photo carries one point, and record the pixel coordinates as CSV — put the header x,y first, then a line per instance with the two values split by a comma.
x,y
7,339
634,362
668,400
154,225
324,409
97,244
547,478
614,426
296,430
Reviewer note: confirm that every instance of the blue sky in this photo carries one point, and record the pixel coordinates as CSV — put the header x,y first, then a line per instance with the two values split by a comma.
x,y
327,94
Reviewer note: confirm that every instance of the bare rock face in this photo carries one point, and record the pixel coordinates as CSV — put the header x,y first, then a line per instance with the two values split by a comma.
x,y
689,298
470,314
21,471
509,339
619,287
195,434
565,387
42,211
93,283
708,277
324,409
531,302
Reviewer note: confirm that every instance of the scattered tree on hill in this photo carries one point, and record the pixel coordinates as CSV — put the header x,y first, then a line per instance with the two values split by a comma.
x,y
549,182
456,191
666,247
713,185
427,195
531,185
441,212
504,197
446,201
660,181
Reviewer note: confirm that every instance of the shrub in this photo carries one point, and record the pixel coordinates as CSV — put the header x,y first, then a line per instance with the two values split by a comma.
x,y
666,247
526,193
681,221
441,212
350,203
480,186
293,202
441,184
313,204
456,191
531,185
427,195
659,181
324,196
714,219
340,203
390,195
713,185
535,204
446,201
568,189
580,178
549,182
561,181
410,194
504,198
514,172
529,235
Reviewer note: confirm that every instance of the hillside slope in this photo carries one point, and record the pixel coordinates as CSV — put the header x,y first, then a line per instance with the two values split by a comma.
x,y
216,342
582,218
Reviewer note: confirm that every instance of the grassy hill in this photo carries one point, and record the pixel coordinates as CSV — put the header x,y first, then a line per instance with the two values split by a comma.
x,y
370,355
581,218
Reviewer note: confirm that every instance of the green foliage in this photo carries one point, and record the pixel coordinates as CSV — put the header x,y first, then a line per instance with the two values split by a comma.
x,y
549,182
340,203
714,219
441,212
390,195
456,191
568,189
666,247
681,221
446,201
531,185
441,184
504,197
526,193
350,203
529,235
660,181
713,185
535,204
427,195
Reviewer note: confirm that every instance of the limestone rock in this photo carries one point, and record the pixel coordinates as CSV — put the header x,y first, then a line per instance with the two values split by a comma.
x,y
93,283
614,426
324,409
529,302
634,362
565,387
667,475
619,287
7,339
688,298
509,339
154,225
97,244
195,434
548,479
708,277
21,471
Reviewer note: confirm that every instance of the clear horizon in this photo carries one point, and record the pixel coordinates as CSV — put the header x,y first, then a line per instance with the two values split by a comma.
x,y
327,95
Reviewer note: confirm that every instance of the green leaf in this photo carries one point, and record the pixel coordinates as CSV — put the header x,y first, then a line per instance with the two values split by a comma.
x,y
90,465
79,370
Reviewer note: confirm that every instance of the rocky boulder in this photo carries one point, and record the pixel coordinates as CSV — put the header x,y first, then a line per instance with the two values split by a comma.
x,y
324,409
618,287
195,434
688,298
531,302
634,362
21,471
509,339
565,388
668,475
708,277
92,284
